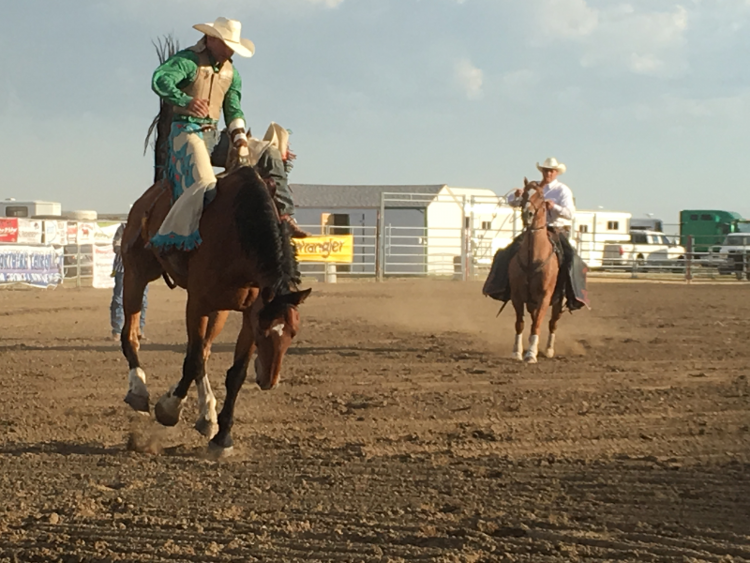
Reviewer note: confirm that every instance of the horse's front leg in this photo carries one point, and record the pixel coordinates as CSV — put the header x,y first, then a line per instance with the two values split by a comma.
x,y
208,423
132,300
169,406
222,443
518,344
537,318
556,314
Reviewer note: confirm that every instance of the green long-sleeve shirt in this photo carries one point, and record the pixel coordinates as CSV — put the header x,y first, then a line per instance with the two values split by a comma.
x,y
179,71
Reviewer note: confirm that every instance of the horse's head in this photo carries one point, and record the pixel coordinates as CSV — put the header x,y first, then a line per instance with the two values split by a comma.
x,y
534,210
276,325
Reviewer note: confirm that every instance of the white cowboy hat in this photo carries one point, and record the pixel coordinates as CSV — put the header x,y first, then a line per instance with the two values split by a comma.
x,y
551,164
278,137
229,32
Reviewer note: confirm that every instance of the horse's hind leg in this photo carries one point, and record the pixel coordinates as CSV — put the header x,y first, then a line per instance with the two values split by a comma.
x,y
222,443
207,423
169,406
556,314
132,300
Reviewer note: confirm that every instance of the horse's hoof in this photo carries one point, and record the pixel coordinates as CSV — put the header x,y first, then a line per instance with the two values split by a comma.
x,y
550,353
530,359
168,409
518,356
215,451
138,403
206,427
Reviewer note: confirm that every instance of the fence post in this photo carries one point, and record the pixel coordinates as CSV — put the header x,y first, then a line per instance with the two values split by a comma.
x,y
689,259
379,242
78,265
464,269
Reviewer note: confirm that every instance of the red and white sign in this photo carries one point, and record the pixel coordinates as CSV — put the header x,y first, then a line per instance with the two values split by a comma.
x,y
8,229
86,233
72,232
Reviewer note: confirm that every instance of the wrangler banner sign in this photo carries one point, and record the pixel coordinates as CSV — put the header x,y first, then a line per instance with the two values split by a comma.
x,y
329,248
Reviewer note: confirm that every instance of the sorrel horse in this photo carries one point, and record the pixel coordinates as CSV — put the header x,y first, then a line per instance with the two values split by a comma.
x,y
245,263
533,273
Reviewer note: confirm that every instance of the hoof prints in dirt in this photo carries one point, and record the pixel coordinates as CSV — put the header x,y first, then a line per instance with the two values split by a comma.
x,y
386,509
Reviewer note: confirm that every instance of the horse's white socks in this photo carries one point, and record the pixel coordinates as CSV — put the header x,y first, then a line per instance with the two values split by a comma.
x,y
137,382
518,347
551,345
533,350
206,400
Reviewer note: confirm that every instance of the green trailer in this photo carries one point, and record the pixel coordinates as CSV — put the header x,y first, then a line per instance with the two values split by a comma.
x,y
709,227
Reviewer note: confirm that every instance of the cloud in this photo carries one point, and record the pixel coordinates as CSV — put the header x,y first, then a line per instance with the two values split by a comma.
x,y
641,40
469,78
567,18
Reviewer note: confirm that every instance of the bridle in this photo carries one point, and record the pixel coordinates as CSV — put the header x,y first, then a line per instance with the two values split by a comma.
x,y
526,201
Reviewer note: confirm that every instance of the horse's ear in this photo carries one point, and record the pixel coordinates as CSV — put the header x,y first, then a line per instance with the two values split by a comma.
x,y
525,182
299,297
267,294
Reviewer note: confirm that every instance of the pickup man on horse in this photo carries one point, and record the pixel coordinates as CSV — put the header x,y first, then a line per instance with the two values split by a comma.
x,y
200,82
560,210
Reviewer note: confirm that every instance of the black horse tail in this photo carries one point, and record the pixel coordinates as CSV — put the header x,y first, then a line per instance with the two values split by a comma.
x,y
162,123
262,235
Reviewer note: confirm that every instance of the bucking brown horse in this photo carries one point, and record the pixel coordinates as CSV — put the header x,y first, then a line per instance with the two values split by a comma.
x,y
245,263
533,274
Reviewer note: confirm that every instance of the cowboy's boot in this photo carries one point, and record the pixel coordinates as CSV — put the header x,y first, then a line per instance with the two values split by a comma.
x,y
296,231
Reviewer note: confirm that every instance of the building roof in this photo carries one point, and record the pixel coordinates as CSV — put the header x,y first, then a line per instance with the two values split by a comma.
x,y
315,196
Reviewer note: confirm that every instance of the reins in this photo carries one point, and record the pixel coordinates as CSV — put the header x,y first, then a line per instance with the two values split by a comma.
x,y
527,268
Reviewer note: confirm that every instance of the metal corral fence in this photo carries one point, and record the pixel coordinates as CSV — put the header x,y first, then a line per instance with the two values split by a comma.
x,y
471,229
78,264
464,251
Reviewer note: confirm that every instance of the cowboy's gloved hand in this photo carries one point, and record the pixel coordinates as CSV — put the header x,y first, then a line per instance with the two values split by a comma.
x,y
239,140
288,161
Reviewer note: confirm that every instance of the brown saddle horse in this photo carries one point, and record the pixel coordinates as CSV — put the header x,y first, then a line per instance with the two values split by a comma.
x,y
245,263
533,273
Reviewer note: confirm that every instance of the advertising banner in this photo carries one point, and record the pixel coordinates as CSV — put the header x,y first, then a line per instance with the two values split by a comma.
x,y
8,229
29,231
104,257
39,266
55,232
329,248
86,233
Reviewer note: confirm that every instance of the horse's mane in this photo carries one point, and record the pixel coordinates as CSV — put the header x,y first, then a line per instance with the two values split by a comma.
x,y
261,233
163,121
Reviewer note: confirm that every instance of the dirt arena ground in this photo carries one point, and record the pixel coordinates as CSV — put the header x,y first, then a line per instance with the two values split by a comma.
x,y
401,431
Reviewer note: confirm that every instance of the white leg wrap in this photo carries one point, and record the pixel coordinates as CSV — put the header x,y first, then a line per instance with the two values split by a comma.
x,y
551,346
518,347
137,382
206,400
533,350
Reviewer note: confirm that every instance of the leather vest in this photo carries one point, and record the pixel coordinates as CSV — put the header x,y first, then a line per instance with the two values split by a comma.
x,y
209,85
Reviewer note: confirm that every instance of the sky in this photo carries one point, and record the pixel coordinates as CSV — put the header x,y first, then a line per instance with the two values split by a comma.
x,y
647,102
